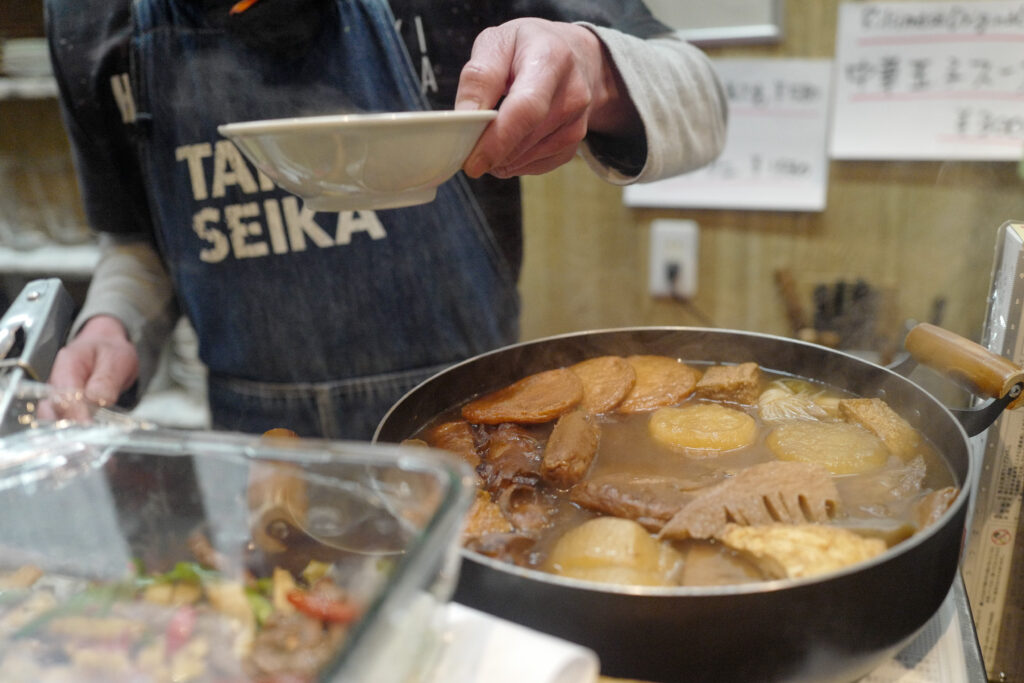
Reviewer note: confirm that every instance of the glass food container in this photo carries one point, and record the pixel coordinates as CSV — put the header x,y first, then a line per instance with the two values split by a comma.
x,y
142,554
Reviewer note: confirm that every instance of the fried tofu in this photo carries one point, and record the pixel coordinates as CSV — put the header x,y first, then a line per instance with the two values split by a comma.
x,y
877,417
732,383
485,517
801,550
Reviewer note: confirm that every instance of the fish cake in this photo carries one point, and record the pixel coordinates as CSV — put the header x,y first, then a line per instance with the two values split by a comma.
x,y
606,381
571,449
538,398
660,381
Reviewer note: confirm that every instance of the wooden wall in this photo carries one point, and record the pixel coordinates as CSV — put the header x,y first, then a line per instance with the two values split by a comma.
x,y
918,232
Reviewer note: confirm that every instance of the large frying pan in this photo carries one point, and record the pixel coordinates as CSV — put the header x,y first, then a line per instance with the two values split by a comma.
x,y
835,628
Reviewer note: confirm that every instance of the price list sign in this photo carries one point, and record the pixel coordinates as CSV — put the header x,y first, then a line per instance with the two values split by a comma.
x,y
775,153
929,81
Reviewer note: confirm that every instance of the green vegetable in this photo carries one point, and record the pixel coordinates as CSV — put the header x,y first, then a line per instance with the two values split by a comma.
x,y
315,571
264,586
187,572
260,605
85,602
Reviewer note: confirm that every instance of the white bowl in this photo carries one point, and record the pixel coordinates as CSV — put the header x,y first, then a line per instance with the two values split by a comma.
x,y
361,161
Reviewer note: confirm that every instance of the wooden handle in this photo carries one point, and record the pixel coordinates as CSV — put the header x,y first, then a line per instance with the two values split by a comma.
x,y
794,310
971,364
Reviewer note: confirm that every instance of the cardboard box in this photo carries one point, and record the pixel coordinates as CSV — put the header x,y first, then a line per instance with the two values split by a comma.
x,y
993,563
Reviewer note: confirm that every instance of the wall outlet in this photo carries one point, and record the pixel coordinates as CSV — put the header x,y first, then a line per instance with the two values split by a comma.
x,y
673,258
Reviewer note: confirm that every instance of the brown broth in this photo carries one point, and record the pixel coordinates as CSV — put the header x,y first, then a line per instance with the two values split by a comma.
x,y
626,446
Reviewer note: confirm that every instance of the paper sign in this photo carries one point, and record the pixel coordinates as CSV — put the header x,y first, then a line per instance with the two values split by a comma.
x,y
994,552
774,156
929,80
700,21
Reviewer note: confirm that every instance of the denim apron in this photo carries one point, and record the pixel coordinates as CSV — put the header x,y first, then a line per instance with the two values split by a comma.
x,y
314,322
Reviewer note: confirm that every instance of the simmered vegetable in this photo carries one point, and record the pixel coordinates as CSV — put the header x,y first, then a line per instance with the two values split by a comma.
x,y
190,623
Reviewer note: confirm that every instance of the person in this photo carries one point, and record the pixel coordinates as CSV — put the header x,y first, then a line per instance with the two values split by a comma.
x,y
319,322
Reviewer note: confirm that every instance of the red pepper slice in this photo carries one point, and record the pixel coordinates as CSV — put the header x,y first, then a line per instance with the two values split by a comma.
x,y
180,628
322,607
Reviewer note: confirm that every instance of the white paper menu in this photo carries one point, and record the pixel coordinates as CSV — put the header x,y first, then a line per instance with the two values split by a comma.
x,y
929,80
775,153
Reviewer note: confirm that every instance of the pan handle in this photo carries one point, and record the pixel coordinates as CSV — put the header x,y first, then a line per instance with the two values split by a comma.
x,y
972,365
277,505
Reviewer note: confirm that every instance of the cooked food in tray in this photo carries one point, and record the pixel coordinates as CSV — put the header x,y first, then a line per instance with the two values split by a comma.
x,y
157,555
191,623
646,470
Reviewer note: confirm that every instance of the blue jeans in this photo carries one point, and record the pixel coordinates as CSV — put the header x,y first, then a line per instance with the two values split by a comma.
x,y
344,409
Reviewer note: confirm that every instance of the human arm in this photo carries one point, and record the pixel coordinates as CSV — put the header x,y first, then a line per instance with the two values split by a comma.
x,y
646,109
679,99
127,316
129,308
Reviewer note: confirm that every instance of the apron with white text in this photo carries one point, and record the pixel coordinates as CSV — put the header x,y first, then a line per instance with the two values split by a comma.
x,y
315,322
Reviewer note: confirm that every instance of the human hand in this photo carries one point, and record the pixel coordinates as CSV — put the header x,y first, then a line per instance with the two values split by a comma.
x,y
558,83
100,362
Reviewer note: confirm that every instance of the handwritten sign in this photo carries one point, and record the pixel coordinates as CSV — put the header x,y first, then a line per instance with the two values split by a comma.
x,y
929,80
774,156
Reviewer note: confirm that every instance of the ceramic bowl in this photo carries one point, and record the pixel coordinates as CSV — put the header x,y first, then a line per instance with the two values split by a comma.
x,y
361,161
